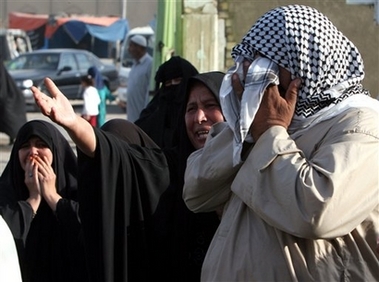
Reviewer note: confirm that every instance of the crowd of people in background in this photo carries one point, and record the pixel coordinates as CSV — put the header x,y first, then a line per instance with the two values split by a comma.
x,y
268,172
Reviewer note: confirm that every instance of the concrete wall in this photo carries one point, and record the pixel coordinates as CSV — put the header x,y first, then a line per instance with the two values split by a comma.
x,y
203,35
234,19
138,13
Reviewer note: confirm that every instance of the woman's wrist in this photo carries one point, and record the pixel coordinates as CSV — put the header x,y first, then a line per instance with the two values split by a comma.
x,y
52,200
34,202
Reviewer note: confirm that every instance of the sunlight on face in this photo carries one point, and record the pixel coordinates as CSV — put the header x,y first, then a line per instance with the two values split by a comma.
x,y
202,111
34,147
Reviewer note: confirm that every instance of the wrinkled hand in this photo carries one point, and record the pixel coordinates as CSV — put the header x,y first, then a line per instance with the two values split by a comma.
x,y
58,108
275,109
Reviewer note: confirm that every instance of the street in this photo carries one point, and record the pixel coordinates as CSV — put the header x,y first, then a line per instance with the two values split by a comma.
x,y
113,111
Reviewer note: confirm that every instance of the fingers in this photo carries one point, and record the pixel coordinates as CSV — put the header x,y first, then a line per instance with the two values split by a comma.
x,y
245,66
238,88
292,92
43,165
42,100
52,88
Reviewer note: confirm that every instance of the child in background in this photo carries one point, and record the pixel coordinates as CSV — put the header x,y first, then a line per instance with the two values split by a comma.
x,y
91,100
104,93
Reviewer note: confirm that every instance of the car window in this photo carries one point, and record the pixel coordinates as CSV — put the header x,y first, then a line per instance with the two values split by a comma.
x,y
84,61
68,60
35,61
18,63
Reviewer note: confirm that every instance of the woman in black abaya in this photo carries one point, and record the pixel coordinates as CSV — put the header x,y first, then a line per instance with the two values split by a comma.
x,y
125,215
182,236
160,117
120,186
12,105
38,200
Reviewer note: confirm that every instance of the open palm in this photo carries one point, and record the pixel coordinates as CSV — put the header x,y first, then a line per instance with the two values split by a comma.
x,y
57,107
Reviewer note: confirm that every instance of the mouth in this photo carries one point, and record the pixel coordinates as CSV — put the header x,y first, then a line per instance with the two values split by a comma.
x,y
202,134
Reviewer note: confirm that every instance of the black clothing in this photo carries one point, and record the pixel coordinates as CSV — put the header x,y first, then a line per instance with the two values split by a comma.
x,y
12,105
182,236
160,117
119,191
135,222
49,246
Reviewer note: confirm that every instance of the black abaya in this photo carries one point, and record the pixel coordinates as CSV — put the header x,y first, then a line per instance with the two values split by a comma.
x,y
160,118
182,236
12,104
119,191
49,246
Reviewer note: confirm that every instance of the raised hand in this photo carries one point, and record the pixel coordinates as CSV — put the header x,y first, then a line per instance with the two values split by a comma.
x,y
57,107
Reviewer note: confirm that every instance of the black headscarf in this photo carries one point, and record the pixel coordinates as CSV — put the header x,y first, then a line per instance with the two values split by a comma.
x,y
64,160
183,237
48,245
212,80
12,104
159,118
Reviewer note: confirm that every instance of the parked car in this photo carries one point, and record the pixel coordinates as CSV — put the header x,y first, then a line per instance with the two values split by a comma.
x,y
64,66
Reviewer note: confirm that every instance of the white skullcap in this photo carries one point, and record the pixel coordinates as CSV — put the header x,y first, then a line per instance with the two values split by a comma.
x,y
139,40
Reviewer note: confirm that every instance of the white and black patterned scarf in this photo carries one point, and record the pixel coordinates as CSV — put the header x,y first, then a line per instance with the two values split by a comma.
x,y
306,43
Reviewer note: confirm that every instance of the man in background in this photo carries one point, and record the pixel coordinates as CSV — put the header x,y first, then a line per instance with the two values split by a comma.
x,y
139,78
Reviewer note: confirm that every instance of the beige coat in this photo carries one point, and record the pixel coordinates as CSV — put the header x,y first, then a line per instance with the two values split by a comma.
x,y
302,209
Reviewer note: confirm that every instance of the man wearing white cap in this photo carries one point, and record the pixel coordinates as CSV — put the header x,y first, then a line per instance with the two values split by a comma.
x,y
139,77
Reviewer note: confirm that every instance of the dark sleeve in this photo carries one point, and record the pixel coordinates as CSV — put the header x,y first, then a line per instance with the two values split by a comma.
x,y
119,190
67,213
17,214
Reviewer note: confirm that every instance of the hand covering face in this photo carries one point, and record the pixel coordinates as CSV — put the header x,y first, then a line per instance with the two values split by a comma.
x,y
329,64
49,245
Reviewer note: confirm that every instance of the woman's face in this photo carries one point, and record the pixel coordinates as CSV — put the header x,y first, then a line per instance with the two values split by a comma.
x,y
34,147
202,111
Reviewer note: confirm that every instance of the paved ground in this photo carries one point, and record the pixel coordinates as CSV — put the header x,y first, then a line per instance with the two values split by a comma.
x,y
113,111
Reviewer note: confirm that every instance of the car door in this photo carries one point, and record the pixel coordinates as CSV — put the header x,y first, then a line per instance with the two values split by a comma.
x,y
68,76
85,62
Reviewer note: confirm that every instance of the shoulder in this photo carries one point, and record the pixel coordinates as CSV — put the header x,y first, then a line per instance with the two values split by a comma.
x,y
357,120
146,59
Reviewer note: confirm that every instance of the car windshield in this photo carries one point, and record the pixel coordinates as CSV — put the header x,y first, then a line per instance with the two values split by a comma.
x,y
34,61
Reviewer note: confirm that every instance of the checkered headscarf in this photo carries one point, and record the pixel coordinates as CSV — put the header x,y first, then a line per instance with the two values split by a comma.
x,y
303,41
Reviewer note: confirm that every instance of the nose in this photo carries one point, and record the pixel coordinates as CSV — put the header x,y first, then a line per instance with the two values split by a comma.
x,y
33,151
200,116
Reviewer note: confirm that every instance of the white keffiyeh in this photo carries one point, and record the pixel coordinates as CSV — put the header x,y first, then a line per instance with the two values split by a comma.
x,y
240,114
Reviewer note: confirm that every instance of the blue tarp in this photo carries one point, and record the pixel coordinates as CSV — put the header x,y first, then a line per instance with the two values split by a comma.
x,y
95,38
77,30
